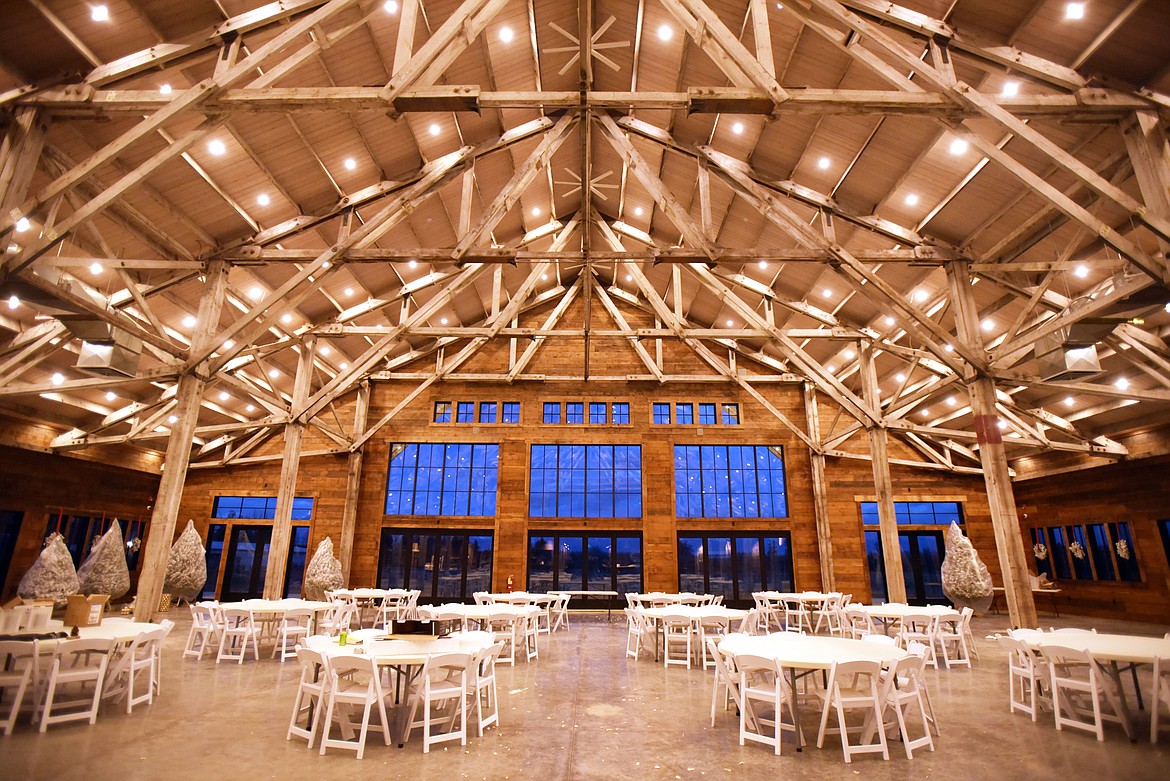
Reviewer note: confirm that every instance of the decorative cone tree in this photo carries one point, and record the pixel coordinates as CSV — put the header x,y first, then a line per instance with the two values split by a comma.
x,y
52,575
187,566
965,579
104,571
324,571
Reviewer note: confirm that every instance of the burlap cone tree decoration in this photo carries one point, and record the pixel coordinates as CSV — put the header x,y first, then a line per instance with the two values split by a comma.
x,y
324,572
965,579
52,575
104,571
187,566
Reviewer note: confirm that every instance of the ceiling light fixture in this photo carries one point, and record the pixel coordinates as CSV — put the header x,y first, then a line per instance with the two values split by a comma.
x,y
435,129
823,163
506,34
350,164
325,350
22,225
347,292
442,321
900,377
263,199
950,348
189,321
57,378
216,147
172,419
951,401
229,344
343,365
412,263
987,324
95,268
637,211
251,408
763,264
13,302
889,321
1069,401
849,354
165,89
912,199
1081,271
959,146
665,32
1122,383
1010,89
826,293
286,318
1072,11
535,211
223,396
390,6
111,396
920,295
273,373
256,293
737,128
100,13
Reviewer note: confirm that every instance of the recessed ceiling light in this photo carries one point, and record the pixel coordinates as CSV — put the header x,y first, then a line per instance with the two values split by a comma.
x,y
830,368
763,264
111,396
1069,401
251,408
165,89
216,147
22,225
343,365
848,354
544,277
435,129
506,34
950,348
390,6
273,373
256,293
823,163
920,295
189,321
925,411
987,324
442,321
347,292
629,277
900,377
350,164
912,199
172,419
952,401
1010,89
535,211
737,128
1073,11
1001,425
229,344
286,318
325,349
224,396
665,32
95,268
637,211
13,302
959,146
889,321
826,293
1081,271
412,263
57,378
730,323
1122,383
99,13
263,199
1167,307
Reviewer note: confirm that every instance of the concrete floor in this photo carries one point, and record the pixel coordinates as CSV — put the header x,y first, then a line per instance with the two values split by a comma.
x,y
583,711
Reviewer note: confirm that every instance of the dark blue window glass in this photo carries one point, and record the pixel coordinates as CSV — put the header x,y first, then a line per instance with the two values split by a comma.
x,y
259,507
585,481
707,414
1099,545
465,412
442,412
731,414
597,412
511,412
729,481
923,513
1058,551
552,412
1078,548
1127,564
621,413
661,413
684,414
442,479
487,412
575,412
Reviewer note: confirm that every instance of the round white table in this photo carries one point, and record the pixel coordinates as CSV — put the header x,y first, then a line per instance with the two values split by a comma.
x,y
810,652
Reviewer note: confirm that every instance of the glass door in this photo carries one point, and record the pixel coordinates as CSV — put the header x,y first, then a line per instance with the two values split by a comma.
x,y
247,562
922,555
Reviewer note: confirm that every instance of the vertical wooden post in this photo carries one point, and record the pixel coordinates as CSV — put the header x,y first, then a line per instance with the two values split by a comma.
x,y
1009,542
19,152
820,492
353,479
294,433
1146,142
883,484
160,535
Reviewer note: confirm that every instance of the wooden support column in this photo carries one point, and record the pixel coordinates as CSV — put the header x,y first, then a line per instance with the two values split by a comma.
x,y
820,491
19,152
1145,140
353,478
883,484
294,433
1009,542
160,535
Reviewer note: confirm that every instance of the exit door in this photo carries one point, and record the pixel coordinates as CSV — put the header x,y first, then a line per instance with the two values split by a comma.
x,y
922,555
247,562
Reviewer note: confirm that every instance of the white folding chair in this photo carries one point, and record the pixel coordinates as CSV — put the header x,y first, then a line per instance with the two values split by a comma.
x,y
951,639
920,627
864,692
560,611
1080,688
754,623
16,675
531,635
294,628
636,629
726,678
676,636
828,613
237,633
795,615
967,614
1161,693
765,696
390,610
714,627
139,657
75,681
857,623
1028,678
907,696
505,629
309,700
354,681
204,632
484,687
443,685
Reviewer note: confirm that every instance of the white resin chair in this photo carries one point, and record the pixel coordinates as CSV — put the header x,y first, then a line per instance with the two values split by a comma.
x,y
1081,690
441,692
141,657
1028,678
765,696
754,623
390,610
857,623
506,628
560,611
919,650
968,614
484,688
354,682
294,628
856,686
16,676
676,639
636,630
796,617
919,627
951,639
204,632
828,613
239,631
710,627
532,635
309,701
908,699
75,681
1161,693
726,679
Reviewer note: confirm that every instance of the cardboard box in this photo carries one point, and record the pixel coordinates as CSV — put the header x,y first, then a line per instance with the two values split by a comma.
x,y
85,611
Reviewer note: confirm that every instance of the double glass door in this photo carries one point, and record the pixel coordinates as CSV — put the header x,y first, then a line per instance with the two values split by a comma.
x,y
922,555
443,566
247,562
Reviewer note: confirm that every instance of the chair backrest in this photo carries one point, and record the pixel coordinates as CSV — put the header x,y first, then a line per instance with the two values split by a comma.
x,y
676,620
299,616
341,665
309,659
485,660
453,667
1070,663
856,672
754,670
83,653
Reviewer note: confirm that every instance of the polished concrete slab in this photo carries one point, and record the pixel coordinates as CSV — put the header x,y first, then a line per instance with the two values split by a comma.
x,y
583,711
